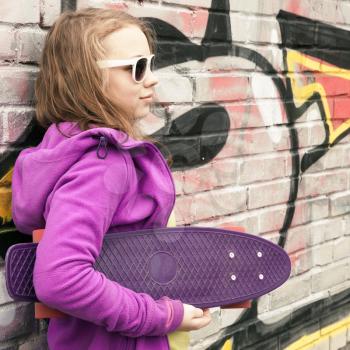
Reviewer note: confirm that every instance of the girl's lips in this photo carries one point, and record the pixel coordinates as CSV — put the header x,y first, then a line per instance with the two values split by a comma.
x,y
147,98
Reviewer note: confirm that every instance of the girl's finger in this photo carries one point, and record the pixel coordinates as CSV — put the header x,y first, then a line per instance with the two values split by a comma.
x,y
206,312
198,312
200,322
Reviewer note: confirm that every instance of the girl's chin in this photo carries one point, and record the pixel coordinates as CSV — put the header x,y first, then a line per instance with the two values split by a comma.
x,y
142,113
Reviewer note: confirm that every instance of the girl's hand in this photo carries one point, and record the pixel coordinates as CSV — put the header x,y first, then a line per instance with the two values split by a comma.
x,y
194,318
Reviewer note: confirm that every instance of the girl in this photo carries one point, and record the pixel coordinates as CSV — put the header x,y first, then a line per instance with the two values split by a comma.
x,y
93,174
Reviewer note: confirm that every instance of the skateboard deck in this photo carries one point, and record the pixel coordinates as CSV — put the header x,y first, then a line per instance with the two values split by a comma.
x,y
204,267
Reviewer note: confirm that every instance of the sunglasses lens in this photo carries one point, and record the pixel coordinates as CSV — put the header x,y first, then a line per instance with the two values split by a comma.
x,y
140,71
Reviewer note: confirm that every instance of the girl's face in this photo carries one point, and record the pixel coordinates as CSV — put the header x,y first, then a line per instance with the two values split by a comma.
x,y
124,44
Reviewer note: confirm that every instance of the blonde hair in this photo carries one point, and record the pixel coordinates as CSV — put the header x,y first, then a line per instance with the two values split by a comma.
x,y
70,85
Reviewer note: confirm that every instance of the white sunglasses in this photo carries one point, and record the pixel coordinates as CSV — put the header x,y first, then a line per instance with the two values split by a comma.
x,y
140,65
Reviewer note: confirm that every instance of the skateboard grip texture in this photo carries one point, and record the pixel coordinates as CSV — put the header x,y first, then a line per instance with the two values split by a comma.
x,y
244,304
204,267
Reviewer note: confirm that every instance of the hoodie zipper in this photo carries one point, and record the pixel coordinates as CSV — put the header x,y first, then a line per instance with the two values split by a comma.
x,y
102,148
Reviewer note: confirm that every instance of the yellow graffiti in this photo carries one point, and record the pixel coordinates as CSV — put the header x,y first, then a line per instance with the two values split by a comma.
x,y
228,345
310,340
6,197
302,93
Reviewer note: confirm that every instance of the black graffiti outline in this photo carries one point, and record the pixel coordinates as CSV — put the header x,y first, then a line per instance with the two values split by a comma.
x,y
310,37
225,47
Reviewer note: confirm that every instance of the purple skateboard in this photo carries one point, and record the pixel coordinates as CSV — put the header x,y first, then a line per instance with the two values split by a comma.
x,y
204,267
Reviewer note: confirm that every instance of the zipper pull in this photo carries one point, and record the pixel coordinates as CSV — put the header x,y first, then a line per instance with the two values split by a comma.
x,y
102,145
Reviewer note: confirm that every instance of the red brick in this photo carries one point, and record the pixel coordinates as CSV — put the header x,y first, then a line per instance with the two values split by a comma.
x,y
272,219
253,141
218,203
30,44
317,184
8,50
210,176
310,210
184,210
222,88
178,177
17,85
244,115
260,168
180,18
267,194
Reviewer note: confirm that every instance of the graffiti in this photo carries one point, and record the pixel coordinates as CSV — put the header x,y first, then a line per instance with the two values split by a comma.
x,y
332,318
333,82
315,75
32,136
322,50
195,137
218,34
68,5
290,101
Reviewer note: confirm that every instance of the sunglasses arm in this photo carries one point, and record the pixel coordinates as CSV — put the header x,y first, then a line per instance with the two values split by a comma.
x,y
120,63
114,63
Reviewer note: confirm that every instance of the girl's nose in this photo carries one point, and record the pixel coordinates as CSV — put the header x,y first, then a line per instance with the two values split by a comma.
x,y
151,79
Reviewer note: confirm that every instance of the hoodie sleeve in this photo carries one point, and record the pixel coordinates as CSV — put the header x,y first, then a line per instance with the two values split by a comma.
x,y
79,212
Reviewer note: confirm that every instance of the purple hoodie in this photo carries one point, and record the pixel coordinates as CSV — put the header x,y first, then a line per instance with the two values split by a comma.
x,y
79,188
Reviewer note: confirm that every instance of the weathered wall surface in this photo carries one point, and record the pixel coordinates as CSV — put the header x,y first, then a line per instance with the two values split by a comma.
x,y
253,103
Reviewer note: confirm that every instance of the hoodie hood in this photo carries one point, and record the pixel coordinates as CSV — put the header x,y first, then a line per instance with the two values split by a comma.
x,y
37,169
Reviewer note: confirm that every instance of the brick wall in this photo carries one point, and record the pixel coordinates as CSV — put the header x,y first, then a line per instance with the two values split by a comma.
x,y
260,96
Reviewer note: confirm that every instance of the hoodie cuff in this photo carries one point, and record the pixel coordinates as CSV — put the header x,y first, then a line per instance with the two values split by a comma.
x,y
175,314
